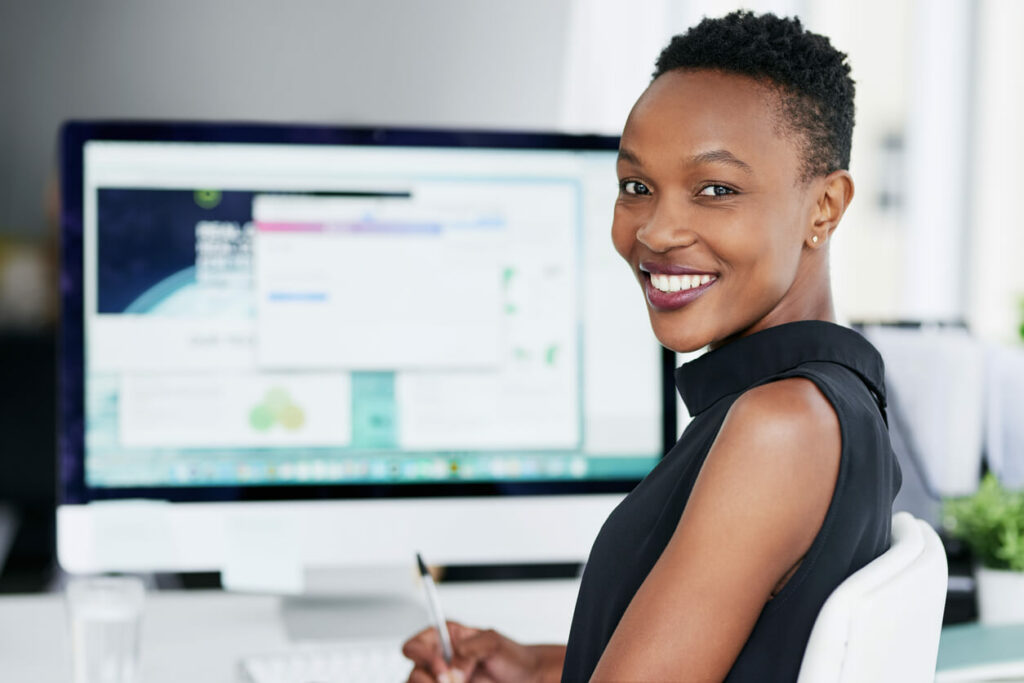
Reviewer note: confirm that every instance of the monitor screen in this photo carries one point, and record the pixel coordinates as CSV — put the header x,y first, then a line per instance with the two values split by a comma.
x,y
261,312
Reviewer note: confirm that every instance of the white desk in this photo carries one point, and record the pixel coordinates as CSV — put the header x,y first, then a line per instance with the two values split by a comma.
x,y
198,636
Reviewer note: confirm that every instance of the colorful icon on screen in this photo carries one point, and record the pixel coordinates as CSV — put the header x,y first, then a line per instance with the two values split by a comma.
x,y
207,199
277,407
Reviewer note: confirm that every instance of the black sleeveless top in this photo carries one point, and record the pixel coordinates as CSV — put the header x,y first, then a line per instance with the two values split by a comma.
x,y
849,372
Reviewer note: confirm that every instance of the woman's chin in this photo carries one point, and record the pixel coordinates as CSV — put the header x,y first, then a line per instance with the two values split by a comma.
x,y
681,343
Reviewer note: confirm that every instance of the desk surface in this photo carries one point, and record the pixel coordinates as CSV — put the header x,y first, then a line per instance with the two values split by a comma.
x,y
198,636
975,652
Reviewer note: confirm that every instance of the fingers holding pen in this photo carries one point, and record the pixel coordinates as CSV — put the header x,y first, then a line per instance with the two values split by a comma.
x,y
495,657
421,647
425,651
419,675
482,644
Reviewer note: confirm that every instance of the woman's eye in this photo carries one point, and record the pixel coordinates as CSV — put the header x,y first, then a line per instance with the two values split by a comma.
x,y
634,187
715,191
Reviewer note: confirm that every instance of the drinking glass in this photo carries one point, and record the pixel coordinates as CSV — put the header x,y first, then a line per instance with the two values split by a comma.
x,y
105,615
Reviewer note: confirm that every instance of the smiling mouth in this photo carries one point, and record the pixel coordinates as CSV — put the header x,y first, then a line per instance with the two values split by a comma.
x,y
679,283
671,291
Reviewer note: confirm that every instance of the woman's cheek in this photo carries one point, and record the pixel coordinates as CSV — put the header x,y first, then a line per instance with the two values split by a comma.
x,y
623,235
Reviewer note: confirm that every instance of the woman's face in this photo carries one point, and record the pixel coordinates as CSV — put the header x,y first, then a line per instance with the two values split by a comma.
x,y
712,213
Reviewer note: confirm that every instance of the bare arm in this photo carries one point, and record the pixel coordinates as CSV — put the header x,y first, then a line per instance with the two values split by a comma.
x,y
756,507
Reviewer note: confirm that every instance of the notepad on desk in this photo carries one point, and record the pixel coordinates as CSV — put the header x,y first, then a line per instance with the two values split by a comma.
x,y
976,653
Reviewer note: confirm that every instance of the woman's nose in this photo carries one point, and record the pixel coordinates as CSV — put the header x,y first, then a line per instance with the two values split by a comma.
x,y
666,228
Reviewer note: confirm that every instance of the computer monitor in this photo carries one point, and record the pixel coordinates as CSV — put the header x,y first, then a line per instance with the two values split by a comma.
x,y
287,349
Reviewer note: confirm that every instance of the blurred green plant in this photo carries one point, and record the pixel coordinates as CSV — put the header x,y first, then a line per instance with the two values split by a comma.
x,y
991,522
1020,301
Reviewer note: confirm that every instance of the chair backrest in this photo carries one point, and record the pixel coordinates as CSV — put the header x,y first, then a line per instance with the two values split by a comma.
x,y
883,622
935,381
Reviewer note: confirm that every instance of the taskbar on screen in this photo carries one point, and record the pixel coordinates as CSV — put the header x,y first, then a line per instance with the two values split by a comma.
x,y
409,469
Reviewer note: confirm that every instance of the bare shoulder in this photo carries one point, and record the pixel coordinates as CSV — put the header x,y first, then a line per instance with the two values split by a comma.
x,y
788,412
780,441
757,504
778,438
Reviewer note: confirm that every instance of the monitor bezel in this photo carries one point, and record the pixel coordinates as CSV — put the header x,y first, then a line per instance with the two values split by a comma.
x,y
72,487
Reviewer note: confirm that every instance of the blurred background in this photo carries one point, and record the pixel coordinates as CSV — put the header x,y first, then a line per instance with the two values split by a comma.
x,y
933,235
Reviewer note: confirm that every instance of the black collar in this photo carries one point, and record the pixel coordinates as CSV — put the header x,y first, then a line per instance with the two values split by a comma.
x,y
745,361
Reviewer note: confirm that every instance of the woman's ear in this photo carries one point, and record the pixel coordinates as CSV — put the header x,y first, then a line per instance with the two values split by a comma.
x,y
835,195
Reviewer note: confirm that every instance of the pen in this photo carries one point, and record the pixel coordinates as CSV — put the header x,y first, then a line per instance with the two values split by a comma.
x,y
435,610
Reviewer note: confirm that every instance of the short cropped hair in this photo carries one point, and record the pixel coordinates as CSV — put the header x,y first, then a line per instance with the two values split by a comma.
x,y
811,77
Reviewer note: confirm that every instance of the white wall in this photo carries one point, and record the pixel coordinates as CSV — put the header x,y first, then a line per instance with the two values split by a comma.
x,y
443,62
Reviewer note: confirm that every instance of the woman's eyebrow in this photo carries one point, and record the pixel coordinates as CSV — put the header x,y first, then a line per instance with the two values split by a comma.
x,y
715,156
721,156
626,155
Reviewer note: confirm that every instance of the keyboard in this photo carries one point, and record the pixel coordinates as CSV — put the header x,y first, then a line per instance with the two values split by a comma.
x,y
363,661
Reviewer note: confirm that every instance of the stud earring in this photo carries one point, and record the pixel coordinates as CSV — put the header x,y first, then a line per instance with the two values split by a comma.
x,y
814,239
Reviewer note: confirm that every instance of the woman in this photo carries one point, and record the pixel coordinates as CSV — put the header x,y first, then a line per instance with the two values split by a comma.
x,y
733,176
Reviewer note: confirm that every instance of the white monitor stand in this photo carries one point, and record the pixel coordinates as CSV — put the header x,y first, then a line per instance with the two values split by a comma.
x,y
343,568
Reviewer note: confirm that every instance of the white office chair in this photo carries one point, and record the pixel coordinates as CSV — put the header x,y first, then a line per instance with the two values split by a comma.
x,y
882,623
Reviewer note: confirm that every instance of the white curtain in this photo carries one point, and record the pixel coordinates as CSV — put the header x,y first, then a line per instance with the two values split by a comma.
x,y
995,278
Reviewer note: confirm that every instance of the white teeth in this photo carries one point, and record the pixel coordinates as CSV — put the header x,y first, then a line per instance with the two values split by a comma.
x,y
676,283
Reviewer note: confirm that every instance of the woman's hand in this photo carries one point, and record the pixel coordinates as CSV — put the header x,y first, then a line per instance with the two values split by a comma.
x,y
481,656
